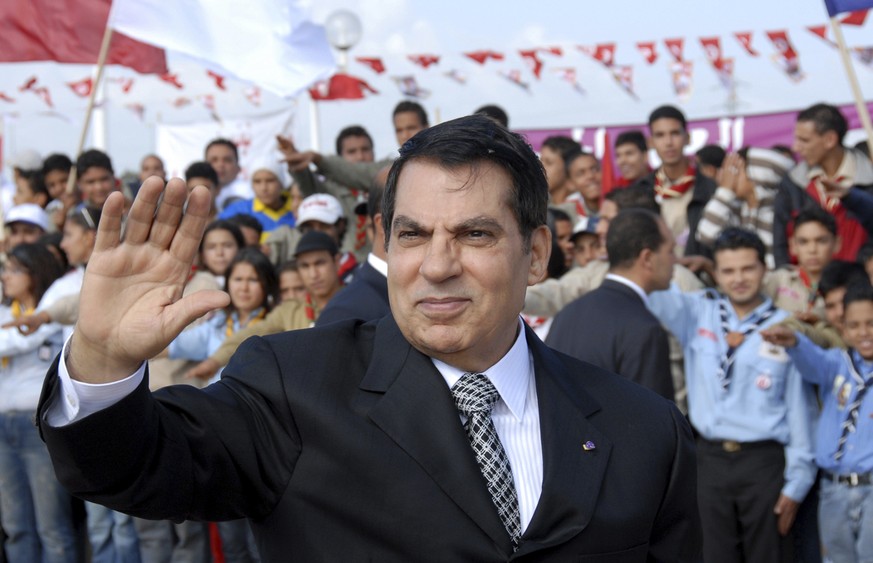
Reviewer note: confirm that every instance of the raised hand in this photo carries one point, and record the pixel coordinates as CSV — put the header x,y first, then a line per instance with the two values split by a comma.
x,y
297,161
779,335
131,305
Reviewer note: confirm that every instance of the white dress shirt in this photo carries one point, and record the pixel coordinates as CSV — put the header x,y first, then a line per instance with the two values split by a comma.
x,y
624,281
516,415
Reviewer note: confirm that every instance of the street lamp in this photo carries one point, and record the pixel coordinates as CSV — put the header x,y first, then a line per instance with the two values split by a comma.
x,y
343,30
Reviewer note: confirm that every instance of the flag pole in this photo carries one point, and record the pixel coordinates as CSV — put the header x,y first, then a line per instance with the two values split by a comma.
x,y
863,113
101,64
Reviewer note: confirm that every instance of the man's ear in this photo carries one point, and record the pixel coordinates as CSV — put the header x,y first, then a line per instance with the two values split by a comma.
x,y
540,251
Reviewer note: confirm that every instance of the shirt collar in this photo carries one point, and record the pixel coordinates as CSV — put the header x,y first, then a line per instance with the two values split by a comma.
x,y
275,214
510,375
847,169
754,315
378,264
624,281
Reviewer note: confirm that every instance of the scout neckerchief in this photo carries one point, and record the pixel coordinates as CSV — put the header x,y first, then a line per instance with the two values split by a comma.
x,y
811,288
851,423
665,188
735,339
229,330
17,312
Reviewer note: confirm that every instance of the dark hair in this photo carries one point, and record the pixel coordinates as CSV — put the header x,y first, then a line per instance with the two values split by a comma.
x,y
248,221
783,149
471,141
712,155
840,273
864,147
289,265
631,232
562,145
201,169
815,214
85,216
52,241
735,238
56,161
571,156
224,225
824,118
221,141
351,131
495,112
858,290
93,159
374,199
36,181
41,265
266,272
407,106
668,112
634,197
556,266
633,137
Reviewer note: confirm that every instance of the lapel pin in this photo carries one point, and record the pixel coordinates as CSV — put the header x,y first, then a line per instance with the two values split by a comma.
x,y
588,446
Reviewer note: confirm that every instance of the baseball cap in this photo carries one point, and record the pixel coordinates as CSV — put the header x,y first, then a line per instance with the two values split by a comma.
x,y
584,226
28,159
316,240
28,213
320,207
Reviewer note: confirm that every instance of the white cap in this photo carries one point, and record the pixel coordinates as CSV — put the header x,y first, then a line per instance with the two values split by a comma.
x,y
320,207
271,166
28,213
28,159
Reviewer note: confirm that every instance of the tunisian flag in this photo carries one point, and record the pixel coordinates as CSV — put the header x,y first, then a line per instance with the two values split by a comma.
x,y
69,31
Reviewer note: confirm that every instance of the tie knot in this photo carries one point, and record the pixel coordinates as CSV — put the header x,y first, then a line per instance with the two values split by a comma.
x,y
474,394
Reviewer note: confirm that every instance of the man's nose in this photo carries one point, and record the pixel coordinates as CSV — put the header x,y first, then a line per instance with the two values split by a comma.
x,y
441,260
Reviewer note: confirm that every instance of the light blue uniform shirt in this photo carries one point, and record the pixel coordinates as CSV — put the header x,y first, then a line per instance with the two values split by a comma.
x,y
831,371
767,398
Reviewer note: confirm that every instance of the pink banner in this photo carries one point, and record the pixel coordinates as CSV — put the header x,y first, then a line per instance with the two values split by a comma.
x,y
732,133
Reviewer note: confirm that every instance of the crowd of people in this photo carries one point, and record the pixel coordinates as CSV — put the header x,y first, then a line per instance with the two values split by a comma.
x,y
736,286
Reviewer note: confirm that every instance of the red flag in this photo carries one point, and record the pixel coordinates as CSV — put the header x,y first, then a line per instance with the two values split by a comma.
x,y
69,31
855,18
605,53
172,79
31,85
624,76
6,98
607,168
82,88
557,51
647,48
341,87
675,47
745,39
219,80
374,63
514,76
126,83
181,102
782,43
712,48
821,31
424,61
533,61
482,56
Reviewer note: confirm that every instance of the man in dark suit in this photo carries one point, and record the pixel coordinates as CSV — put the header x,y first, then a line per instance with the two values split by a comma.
x,y
611,327
366,296
445,432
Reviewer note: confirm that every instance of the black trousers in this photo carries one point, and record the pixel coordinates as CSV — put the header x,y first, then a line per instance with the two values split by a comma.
x,y
737,491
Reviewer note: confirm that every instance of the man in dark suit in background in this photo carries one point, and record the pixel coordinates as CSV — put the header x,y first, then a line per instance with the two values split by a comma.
x,y
445,432
611,327
366,296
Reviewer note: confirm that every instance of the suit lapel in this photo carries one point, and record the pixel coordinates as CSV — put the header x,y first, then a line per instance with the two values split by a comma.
x,y
572,474
417,412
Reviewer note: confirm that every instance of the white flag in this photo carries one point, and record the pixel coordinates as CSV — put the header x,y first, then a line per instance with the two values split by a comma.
x,y
270,43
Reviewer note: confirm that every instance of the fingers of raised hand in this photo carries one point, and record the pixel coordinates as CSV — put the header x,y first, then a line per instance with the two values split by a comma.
x,y
142,212
169,214
186,241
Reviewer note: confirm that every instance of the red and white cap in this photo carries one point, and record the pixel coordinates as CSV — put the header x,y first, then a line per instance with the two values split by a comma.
x,y
320,207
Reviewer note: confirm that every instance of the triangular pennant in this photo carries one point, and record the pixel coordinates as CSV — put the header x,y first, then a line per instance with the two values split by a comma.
x,y
624,77
855,18
424,61
125,83
682,73
745,39
557,51
217,78
820,30
456,75
6,98
675,46
181,102
787,58
514,76
648,51
712,49
482,56
82,88
568,75
253,95
172,79
375,63
408,86
533,61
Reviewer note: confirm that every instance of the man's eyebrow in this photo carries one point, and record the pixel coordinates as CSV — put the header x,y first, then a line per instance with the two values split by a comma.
x,y
479,223
404,222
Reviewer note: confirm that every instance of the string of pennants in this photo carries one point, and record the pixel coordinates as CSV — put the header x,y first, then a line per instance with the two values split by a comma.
x,y
347,86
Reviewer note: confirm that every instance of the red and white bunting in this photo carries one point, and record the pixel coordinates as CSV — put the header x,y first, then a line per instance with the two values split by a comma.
x,y
682,73
125,83
341,87
457,76
603,53
482,57
4,97
172,79
253,95
822,32
569,75
532,59
675,47
424,61
514,76
82,88
217,78
787,57
712,49
624,76
745,39
42,92
408,86
648,51
858,17
375,63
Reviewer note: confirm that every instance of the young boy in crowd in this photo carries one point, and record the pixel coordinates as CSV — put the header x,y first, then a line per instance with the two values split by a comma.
x,y
95,177
271,205
56,173
814,242
844,438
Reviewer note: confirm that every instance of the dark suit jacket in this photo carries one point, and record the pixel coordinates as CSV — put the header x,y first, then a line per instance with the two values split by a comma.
x,y
343,443
365,298
612,328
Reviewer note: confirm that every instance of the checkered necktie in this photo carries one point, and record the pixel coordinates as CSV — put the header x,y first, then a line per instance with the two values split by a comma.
x,y
475,396
850,425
